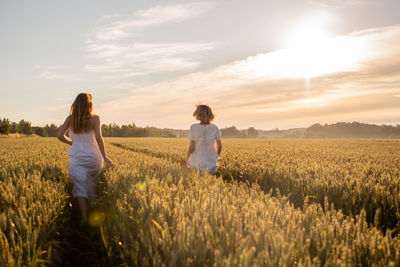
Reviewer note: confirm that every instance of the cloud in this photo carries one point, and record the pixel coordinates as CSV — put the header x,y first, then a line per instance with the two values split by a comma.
x,y
115,51
52,72
110,16
142,19
120,61
50,75
339,3
244,97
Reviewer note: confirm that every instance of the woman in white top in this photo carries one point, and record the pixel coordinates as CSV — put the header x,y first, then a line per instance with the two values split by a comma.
x,y
202,153
87,153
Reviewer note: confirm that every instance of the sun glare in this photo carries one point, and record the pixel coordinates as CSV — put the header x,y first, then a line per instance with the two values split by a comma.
x,y
310,51
307,34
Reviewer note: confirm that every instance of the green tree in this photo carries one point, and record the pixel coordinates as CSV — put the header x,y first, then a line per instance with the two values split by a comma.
x,y
229,132
51,130
105,130
25,127
252,132
5,126
14,127
41,131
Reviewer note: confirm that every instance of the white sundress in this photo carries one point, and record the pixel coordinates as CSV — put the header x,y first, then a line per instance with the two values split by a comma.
x,y
85,163
205,156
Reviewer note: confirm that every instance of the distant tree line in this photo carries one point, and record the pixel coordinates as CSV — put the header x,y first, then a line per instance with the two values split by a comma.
x,y
25,127
110,130
352,130
233,132
114,130
337,130
131,130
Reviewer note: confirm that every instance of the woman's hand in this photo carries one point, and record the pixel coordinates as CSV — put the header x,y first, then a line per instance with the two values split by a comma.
x,y
108,162
189,153
188,162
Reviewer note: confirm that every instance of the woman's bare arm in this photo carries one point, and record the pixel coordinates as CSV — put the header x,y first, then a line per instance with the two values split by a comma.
x,y
189,153
63,129
219,147
100,141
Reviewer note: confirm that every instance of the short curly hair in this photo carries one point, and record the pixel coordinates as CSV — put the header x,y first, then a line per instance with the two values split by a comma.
x,y
204,114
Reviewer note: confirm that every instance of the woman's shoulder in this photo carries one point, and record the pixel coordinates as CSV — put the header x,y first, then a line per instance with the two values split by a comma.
x,y
193,125
214,126
95,117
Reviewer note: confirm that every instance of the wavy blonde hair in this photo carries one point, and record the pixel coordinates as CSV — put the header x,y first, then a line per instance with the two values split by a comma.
x,y
204,114
81,111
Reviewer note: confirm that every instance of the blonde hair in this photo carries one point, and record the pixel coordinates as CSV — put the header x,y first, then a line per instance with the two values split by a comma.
x,y
204,114
80,113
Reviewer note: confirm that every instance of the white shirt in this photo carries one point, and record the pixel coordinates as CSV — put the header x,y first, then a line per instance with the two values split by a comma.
x,y
205,156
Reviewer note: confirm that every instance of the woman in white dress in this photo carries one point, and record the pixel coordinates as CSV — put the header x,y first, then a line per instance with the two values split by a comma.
x,y
202,153
87,152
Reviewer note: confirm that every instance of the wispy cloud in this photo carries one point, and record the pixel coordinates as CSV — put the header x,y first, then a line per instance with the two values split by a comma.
x,y
340,3
121,61
266,100
116,53
51,75
157,15
120,89
110,16
51,72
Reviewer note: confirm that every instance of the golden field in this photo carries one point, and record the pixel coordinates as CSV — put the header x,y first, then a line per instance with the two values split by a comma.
x,y
273,202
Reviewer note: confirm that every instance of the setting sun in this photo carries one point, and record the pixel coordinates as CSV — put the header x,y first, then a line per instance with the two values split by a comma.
x,y
310,51
307,34
314,51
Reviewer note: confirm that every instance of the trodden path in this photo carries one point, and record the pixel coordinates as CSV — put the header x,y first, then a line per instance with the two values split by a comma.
x,y
78,245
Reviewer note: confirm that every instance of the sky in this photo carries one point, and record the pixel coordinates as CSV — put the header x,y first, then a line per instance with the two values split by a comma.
x,y
257,63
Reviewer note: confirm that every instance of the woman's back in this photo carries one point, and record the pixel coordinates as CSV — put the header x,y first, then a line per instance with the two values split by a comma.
x,y
205,156
204,136
87,137
83,144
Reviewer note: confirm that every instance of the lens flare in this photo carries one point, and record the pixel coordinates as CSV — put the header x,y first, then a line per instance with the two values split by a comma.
x,y
142,186
96,218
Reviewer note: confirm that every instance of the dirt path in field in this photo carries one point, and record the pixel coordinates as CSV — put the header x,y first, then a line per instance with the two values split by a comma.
x,y
173,158
78,244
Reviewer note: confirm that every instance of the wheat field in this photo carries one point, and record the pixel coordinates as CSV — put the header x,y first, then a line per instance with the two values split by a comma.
x,y
273,203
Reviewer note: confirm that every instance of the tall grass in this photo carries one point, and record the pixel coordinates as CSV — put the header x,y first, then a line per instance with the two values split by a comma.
x,y
353,175
162,215
276,202
33,178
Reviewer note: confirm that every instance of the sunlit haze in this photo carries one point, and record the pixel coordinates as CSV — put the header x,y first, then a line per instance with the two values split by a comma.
x,y
265,64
